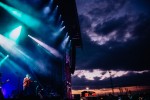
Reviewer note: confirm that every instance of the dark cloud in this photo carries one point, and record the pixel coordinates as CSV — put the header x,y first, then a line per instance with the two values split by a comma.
x,y
84,22
132,57
86,57
128,49
143,28
82,83
110,25
106,7
100,12
96,78
130,79
143,5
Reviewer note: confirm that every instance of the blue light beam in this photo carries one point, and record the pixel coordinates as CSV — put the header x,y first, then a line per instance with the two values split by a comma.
x,y
4,59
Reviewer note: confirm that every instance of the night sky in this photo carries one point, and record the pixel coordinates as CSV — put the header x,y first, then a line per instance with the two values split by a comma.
x,y
116,38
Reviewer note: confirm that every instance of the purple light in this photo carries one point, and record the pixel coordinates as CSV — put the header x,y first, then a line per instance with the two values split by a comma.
x,y
65,41
48,48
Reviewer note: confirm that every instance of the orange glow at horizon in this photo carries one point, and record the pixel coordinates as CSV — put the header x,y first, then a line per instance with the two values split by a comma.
x,y
117,90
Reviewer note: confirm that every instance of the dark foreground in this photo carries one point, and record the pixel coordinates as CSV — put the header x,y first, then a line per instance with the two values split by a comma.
x,y
127,96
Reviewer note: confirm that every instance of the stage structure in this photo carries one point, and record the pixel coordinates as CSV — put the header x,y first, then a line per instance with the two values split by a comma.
x,y
38,37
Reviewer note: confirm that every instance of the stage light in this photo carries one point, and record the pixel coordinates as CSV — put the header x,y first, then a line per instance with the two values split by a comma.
x,y
51,2
57,33
11,47
24,55
15,67
2,55
62,23
32,22
59,20
3,60
87,88
46,47
46,10
14,34
69,45
6,43
65,42
24,6
53,15
63,27
26,19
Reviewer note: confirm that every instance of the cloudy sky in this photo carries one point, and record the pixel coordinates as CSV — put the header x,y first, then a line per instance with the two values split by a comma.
x,y
116,38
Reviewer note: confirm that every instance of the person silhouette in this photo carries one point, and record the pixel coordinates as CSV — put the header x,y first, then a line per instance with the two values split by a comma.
x,y
26,85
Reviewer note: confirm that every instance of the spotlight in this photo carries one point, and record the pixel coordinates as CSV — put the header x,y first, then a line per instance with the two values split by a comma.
x,y
2,55
3,60
51,50
62,28
20,15
23,17
46,10
14,34
59,19
61,23
65,42
50,3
